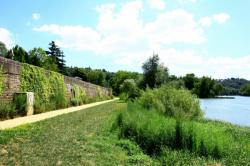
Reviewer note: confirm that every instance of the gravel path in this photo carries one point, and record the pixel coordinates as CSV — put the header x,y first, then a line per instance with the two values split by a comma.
x,y
38,117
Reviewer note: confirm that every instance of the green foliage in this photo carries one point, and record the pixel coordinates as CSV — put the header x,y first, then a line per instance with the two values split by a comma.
x,y
245,90
172,102
57,56
38,57
190,81
233,85
3,49
20,54
129,90
47,86
154,73
207,88
2,80
19,102
119,77
79,96
154,132
7,111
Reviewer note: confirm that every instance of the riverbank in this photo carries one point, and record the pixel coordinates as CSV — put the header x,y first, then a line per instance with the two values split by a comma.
x,y
185,142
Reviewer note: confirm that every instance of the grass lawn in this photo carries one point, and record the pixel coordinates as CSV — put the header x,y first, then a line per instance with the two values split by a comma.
x,y
80,138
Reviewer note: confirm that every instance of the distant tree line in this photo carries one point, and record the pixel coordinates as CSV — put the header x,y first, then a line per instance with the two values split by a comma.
x,y
125,83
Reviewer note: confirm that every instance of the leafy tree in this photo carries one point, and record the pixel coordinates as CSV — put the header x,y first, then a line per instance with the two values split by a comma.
x,y
161,75
245,90
129,89
119,77
3,49
189,81
20,54
207,88
38,57
154,73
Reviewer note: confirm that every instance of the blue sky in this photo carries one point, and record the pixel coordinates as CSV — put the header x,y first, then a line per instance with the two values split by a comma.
x,y
200,36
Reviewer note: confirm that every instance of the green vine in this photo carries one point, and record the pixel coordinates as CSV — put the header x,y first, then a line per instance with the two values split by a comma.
x,y
2,80
100,93
79,94
44,84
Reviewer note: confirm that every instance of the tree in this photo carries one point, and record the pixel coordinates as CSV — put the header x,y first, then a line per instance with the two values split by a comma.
x,y
129,89
245,90
3,49
154,73
119,77
56,56
20,54
207,88
38,57
161,75
189,81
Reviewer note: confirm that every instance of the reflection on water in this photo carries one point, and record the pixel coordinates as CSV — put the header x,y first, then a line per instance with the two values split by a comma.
x,y
236,111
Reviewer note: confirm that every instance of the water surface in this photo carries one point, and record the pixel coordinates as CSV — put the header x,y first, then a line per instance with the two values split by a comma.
x,y
236,111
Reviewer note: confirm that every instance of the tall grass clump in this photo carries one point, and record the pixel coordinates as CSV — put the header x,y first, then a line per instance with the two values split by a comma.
x,y
154,132
7,111
178,103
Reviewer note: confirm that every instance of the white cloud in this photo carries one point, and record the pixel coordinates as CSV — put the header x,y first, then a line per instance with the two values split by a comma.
x,y
36,16
129,40
187,1
221,17
75,37
157,4
177,26
206,21
6,37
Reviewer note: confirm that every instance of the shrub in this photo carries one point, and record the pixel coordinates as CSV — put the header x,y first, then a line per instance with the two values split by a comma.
x,y
74,102
172,102
7,110
19,101
59,100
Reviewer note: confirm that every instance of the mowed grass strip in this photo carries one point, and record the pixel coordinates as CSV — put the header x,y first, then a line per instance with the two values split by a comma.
x,y
80,138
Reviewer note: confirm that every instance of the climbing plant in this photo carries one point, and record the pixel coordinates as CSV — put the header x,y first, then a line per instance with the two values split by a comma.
x,y
2,80
79,95
43,83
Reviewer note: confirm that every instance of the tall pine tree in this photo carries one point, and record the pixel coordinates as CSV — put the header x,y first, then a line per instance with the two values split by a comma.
x,y
56,56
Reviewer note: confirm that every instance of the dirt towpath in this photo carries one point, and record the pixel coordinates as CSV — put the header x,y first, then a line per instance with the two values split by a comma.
x,y
38,117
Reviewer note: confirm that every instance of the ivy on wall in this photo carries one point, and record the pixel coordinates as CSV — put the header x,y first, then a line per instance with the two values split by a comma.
x,y
2,80
43,83
79,94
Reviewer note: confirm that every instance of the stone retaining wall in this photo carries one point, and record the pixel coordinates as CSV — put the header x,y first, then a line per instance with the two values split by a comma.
x,y
12,73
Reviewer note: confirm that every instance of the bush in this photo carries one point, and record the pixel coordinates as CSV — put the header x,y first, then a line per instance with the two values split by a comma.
x,y
7,111
172,102
19,102
74,102
59,100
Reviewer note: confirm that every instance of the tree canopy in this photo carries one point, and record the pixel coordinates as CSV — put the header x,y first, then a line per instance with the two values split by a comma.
x,y
154,73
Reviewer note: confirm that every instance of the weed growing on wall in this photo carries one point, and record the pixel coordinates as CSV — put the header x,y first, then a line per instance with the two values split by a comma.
x,y
2,80
79,95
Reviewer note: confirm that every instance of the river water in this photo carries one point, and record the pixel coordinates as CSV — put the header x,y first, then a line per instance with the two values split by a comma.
x,y
236,111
